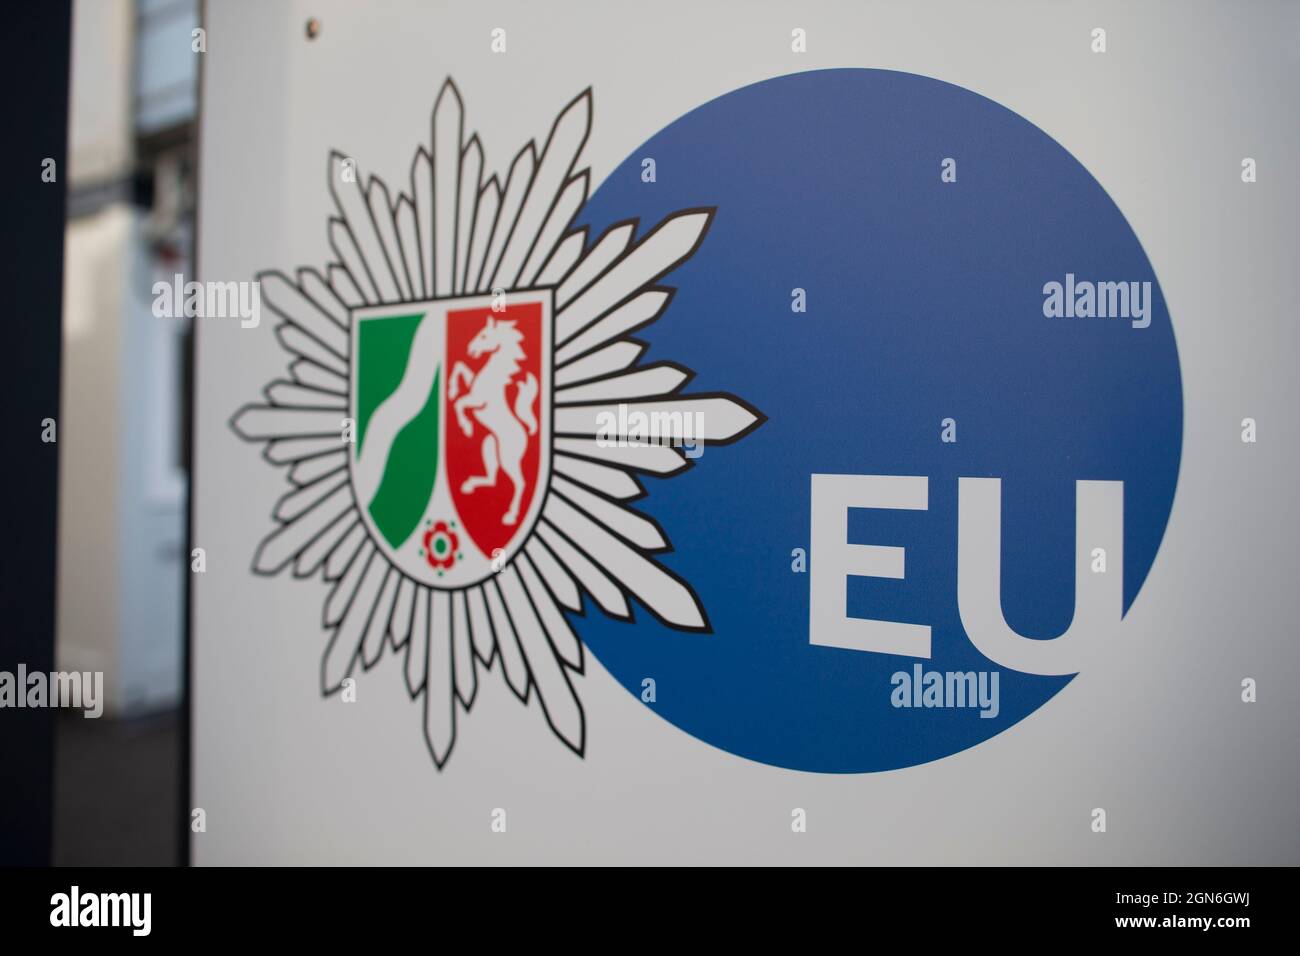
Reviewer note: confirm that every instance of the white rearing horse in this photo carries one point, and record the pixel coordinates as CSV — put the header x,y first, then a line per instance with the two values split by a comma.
x,y
505,442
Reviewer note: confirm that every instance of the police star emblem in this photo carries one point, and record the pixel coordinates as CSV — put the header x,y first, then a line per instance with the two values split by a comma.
x,y
464,423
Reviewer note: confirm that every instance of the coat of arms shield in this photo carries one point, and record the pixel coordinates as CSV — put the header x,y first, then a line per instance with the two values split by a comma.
x,y
451,400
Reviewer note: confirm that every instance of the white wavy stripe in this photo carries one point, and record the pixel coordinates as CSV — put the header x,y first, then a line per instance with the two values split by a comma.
x,y
392,414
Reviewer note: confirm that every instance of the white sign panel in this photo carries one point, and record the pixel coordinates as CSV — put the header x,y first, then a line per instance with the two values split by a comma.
x,y
739,433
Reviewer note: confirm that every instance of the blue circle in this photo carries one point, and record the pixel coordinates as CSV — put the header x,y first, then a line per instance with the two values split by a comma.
x,y
924,302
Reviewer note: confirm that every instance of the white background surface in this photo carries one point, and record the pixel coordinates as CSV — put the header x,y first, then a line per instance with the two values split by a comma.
x,y
1158,737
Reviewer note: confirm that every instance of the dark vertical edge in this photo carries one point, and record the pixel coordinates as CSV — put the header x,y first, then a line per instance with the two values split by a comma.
x,y
186,774
35,55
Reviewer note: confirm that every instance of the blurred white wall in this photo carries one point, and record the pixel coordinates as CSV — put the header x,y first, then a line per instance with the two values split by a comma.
x,y
100,142
122,492
87,635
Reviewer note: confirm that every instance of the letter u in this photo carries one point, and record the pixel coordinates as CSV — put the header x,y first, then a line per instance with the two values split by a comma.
x,y
1098,598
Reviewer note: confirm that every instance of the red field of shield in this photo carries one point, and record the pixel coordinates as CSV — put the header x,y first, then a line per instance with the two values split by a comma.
x,y
492,415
